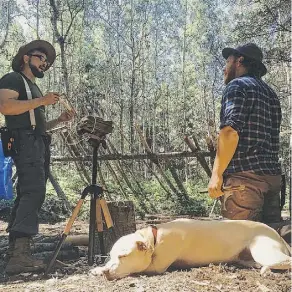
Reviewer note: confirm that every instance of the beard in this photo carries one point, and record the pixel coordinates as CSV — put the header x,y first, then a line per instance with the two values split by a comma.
x,y
35,71
230,75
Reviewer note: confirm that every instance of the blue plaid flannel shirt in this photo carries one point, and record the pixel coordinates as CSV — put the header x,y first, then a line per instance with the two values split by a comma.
x,y
253,109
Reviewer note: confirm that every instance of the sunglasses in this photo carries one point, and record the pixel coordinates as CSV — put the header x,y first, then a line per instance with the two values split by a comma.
x,y
41,57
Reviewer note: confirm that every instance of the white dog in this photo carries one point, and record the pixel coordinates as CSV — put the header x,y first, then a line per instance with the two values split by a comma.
x,y
186,243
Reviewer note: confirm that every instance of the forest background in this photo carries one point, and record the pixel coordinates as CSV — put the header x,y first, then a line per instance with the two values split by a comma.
x,y
155,64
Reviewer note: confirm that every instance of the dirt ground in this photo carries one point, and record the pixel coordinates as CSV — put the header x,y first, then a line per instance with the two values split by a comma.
x,y
76,277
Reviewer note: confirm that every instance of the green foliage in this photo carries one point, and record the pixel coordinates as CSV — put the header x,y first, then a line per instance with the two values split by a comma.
x,y
69,180
154,199
197,204
154,63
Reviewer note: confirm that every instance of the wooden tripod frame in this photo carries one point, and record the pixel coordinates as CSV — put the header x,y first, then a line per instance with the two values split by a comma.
x,y
98,206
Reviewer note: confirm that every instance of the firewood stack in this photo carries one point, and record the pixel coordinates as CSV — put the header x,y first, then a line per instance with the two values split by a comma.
x,y
94,129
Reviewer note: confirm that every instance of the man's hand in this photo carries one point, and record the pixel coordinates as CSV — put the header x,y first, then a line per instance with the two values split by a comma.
x,y
215,186
66,116
226,147
50,98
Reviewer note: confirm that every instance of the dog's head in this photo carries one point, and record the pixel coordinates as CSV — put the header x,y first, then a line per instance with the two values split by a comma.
x,y
131,254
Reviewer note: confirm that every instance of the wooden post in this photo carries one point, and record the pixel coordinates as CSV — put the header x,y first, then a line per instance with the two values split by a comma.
x,y
59,190
178,182
154,159
201,159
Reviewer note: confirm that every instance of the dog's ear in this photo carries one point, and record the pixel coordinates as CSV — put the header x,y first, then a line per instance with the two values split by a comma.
x,y
141,246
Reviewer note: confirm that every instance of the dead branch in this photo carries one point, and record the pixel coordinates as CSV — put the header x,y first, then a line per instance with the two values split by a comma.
x,y
138,156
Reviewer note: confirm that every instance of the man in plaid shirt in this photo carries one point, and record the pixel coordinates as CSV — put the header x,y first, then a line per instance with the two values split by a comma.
x,y
248,142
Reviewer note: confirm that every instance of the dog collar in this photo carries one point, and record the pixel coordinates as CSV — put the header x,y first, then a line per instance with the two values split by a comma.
x,y
154,232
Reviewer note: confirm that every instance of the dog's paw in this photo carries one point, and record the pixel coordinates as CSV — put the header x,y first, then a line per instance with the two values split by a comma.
x,y
98,271
265,270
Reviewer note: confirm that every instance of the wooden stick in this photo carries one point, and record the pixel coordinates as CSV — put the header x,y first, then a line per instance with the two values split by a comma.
x,y
72,218
226,189
154,158
106,213
197,151
65,102
99,216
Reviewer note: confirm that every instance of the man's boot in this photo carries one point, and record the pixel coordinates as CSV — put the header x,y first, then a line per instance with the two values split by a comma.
x,y
21,260
9,251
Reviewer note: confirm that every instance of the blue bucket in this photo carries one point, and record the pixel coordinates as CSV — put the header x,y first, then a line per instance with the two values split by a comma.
x,y
6,192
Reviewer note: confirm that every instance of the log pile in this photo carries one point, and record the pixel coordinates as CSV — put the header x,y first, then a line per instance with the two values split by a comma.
x,y
44,247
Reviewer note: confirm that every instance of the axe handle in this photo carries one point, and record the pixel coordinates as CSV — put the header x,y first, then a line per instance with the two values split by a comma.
x,y
226,189
56,252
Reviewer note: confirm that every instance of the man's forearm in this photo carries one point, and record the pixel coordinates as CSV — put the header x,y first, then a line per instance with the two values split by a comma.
x,y
52,124
17,107
227,144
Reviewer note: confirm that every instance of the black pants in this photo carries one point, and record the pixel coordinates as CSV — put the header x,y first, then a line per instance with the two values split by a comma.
x,y
32,165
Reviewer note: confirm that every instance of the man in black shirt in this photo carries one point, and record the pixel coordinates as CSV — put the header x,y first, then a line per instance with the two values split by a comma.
x,y
32,147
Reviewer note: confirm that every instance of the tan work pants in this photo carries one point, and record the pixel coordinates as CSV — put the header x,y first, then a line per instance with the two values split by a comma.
x,y
259,201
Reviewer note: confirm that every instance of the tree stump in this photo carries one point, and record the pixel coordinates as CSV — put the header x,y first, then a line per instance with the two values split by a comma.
x,y
123,216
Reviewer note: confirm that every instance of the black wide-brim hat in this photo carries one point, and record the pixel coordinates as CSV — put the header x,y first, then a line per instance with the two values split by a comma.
x,y
17,61
250,51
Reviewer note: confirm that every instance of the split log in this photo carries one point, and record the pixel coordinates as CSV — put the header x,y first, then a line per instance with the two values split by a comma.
x,y
123,216
77,240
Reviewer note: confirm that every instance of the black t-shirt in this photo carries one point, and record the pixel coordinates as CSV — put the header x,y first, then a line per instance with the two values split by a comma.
x,y
14,81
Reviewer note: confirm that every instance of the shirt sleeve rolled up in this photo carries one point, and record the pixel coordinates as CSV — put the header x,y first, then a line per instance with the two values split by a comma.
x,y
234,109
